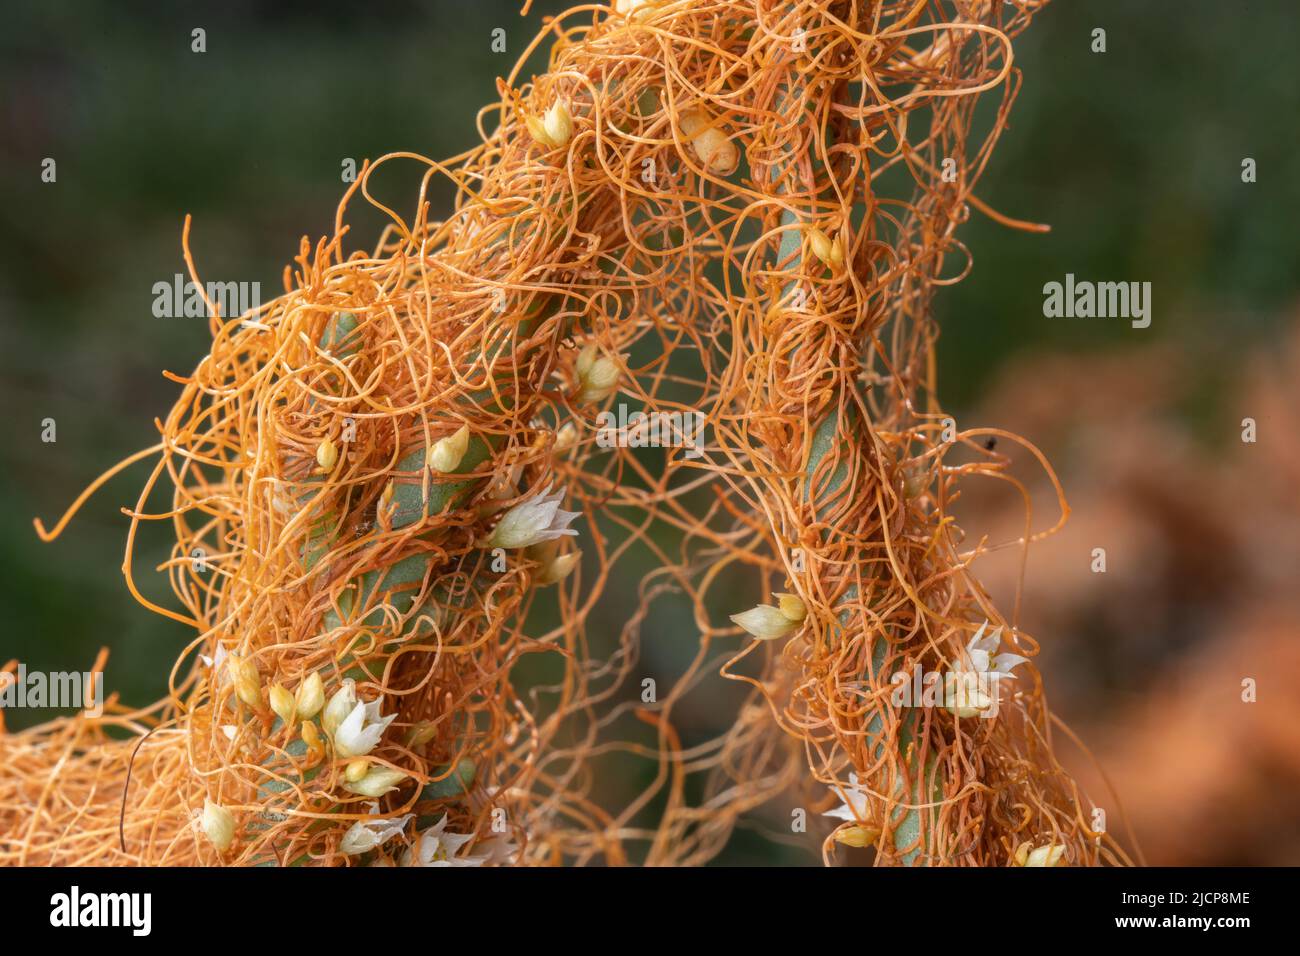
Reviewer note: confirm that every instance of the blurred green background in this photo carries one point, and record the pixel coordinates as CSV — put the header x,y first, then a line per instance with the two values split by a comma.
x,y
1133,156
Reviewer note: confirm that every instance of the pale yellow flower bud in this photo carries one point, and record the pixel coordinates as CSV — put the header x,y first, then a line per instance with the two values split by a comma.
x,y
282,704
558,124
585,359
714,150
356,770
311,737
310,697
377,782
447,453
765,622
218,825
558,568
384,510
792,606
857,835
915,482
565,438
246,680
327,454
630,7
830,251
421,733
598,375
537,129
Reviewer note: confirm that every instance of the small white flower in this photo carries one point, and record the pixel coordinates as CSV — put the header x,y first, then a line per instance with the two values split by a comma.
x,y
854,803
983,655
966,693
533,521
361,729
217,664
367,834
341,703
436,847
969,691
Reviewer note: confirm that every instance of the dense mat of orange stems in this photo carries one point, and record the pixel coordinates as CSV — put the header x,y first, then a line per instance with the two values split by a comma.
x,y
746,209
